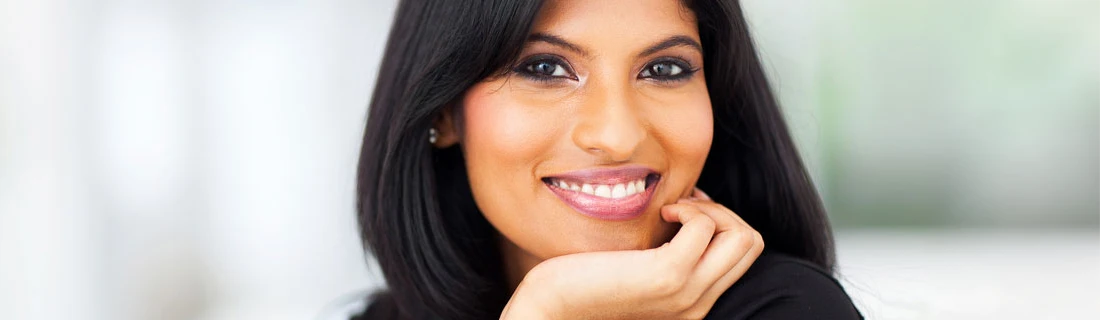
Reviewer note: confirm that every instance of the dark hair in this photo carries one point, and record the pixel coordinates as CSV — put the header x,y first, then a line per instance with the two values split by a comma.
x,y
417,215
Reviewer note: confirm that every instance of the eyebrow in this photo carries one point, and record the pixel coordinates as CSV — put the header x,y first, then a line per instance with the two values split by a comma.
x,y
673,41
557,41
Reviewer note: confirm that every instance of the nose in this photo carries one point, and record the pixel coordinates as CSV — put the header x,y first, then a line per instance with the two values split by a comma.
x,y
610,125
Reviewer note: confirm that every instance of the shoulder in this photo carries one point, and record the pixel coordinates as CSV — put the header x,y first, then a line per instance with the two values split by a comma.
x,y
778,286
360,306
345,307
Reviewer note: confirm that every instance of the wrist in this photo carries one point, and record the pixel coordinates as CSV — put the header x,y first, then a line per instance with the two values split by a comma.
x,y
526,307
535,299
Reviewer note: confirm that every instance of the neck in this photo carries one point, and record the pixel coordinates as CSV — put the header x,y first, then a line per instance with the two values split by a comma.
x,y
517,262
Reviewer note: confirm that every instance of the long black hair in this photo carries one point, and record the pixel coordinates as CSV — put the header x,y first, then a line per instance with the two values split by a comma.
x,y
416,212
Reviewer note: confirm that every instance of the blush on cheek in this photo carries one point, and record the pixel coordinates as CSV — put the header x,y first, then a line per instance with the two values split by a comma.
x,y
501,126
702,136
690,131
686,133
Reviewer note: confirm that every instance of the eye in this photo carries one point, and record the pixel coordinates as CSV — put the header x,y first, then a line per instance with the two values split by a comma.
x,y
667,70
545,68
662,70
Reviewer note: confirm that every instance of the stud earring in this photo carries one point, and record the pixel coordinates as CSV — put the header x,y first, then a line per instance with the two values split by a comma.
x,y
433,135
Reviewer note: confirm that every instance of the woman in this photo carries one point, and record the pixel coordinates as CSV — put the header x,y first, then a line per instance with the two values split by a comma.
x,y
544,160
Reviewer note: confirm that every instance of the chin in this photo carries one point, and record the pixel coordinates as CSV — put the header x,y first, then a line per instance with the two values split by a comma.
x,y
615,238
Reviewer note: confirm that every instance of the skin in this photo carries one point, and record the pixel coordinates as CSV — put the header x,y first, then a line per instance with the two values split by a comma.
x,y
590,90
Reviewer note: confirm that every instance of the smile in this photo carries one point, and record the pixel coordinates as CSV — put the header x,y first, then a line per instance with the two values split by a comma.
x,y
606,194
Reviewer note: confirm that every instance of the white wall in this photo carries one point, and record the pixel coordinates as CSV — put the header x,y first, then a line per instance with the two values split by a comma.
x,y
195,159
182,160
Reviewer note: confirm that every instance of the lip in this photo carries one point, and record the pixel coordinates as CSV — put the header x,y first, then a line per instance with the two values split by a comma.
x,y
624,208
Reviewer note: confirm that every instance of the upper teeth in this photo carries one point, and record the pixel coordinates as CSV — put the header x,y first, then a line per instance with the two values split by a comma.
x,y
603,190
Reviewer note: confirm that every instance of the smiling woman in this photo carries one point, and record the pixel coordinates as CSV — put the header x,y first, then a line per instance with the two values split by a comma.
x,y
544,160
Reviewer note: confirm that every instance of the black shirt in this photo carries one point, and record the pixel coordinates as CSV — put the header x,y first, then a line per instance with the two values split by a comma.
x,y
778,286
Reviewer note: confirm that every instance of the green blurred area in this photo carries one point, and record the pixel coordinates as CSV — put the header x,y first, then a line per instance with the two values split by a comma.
x,y
943,113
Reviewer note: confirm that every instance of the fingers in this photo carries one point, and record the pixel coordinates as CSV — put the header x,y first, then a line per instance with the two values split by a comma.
x,y
691,241
698,193
715,243
735,246
707,202
711,295
733,239
694,240
724,219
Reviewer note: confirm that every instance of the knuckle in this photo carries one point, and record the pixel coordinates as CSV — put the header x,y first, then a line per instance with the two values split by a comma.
x,y
708,224
746,239
672,210
705,204
670,284
679,207
682,303
722,237
695,312
665,288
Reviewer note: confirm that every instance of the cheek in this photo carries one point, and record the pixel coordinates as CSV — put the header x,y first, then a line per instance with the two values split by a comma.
x,y
503,140
685,130
503,130
688,128
689,133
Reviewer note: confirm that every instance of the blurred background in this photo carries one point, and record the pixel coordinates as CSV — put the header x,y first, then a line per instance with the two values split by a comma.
x,y
195,159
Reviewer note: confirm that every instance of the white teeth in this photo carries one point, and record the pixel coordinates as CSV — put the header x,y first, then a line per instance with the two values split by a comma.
x,y
603,191
618,191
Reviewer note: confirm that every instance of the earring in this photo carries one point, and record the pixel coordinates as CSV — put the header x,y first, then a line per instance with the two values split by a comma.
x,y
433,135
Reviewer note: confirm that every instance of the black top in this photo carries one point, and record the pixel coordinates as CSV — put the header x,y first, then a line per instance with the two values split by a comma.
x,y
776,287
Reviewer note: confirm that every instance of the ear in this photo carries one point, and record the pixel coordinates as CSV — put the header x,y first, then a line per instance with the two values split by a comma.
x,y
448,130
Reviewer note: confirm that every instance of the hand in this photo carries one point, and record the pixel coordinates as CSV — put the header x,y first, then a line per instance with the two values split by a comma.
x,y
678,280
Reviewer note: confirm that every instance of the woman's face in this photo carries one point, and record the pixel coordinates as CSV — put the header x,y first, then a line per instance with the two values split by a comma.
x,y
605,119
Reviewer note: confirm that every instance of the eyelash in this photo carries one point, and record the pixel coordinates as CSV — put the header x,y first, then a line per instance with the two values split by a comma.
x,y
526,69
686,69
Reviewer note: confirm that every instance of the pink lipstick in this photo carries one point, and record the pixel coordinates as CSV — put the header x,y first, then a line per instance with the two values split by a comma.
x,y
616,194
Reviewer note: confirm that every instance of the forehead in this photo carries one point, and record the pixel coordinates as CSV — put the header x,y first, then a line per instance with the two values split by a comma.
x,y
615,23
